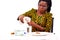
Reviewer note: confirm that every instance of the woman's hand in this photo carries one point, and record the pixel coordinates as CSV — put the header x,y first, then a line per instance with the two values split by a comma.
x,y
21,18
31,23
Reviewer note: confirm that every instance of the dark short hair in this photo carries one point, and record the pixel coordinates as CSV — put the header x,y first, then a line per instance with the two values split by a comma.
x,y
49,3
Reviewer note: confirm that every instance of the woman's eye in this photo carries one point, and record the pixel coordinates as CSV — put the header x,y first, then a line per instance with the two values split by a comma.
x,y
42,5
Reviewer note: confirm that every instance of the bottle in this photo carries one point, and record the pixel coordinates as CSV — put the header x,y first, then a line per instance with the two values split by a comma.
x,y
28,27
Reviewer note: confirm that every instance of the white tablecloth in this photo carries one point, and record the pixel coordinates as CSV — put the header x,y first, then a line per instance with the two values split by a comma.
x,y
34,36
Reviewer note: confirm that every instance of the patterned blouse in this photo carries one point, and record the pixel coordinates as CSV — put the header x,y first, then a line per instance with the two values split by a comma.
x,y
45,20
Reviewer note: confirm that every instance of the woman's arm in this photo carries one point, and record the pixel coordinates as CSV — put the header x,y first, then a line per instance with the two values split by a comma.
x,y
28,14
35,25
31,23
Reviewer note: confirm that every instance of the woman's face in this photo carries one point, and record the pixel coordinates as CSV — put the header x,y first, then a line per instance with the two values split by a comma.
x,y
42,6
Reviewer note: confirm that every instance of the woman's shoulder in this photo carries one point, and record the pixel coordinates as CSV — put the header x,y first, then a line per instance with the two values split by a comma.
x,y
31,10
49,14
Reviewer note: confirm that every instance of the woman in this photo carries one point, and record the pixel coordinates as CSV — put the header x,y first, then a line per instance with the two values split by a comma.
x,y
41,19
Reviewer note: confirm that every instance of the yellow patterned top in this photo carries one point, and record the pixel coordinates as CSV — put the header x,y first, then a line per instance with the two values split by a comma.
x,y
45,20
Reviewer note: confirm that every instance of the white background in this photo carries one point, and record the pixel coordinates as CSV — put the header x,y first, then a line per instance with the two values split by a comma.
x,y
11,9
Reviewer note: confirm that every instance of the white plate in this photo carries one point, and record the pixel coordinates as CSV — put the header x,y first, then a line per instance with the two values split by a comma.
x,y
40,33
